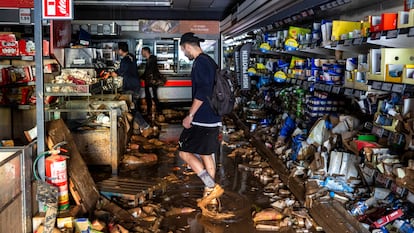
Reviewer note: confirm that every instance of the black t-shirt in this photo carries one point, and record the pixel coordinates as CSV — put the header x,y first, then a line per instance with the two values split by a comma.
x,y
202,76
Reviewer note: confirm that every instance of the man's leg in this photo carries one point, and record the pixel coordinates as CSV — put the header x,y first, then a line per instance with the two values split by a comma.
x,y
156,100
198,168
210,164
148,98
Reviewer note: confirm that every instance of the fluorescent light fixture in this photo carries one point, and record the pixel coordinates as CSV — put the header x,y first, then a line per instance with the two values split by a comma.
x,y
142,3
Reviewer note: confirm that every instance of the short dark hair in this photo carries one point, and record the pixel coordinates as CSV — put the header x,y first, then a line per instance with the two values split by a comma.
x,y
123,46
147,49
190,38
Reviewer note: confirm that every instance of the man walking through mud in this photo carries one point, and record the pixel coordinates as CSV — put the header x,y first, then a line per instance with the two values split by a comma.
x,y
201,125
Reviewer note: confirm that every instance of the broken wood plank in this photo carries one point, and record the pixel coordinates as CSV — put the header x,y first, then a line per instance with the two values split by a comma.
x,y
57,132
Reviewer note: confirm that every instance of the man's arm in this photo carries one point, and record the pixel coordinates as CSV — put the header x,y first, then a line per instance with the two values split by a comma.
x,y
194,108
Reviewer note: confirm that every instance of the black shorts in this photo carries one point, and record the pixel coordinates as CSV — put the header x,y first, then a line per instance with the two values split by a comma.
x,y
199,140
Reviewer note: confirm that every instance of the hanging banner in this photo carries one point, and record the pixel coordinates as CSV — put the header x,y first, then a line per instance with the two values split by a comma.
x,y
57,9
244,65
237,64
200,27
17,4
179,27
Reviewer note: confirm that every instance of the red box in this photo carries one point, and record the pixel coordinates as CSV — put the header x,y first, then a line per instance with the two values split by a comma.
x,y
26,48
385,22
8,45
389,21
387,219
376,23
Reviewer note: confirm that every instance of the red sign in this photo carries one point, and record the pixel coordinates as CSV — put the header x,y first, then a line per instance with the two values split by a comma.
x,y
17,3
57,9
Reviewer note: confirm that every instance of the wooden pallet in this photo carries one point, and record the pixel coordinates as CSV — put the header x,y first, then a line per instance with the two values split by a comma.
x,y
133,190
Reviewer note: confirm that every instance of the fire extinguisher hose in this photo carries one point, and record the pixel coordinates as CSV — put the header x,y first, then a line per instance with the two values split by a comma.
x,y
55,148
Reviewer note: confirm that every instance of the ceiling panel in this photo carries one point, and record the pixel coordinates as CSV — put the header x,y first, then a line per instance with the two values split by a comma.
x,y
180,9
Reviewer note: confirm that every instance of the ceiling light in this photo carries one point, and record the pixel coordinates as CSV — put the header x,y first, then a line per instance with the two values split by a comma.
x,y
142,3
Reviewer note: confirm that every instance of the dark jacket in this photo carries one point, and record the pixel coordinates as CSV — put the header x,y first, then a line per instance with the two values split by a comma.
x,y
202,76
151,69
129,71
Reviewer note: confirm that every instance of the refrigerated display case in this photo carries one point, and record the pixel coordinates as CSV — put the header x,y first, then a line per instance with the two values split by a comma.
x,y
174,65
209,47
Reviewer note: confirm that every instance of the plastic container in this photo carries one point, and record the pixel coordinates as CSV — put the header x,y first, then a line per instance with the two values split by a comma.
x,y
403,226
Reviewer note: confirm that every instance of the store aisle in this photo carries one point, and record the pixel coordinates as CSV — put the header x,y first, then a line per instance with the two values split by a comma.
x,y
243,189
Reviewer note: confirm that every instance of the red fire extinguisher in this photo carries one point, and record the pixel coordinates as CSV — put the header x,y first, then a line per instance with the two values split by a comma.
x,y
56,174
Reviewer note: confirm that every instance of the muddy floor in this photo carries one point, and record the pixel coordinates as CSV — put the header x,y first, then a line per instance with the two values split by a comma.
x,y
243,192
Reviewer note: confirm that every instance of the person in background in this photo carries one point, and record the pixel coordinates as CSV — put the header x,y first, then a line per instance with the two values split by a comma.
x,y
128,70
201,125
150,75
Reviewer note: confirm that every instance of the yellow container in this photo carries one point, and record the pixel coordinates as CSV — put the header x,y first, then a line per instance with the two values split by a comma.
x,y
340,27
405,19
408,74
349,79
294,32
393,61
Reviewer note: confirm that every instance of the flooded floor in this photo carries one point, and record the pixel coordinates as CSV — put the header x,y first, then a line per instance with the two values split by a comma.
x,y
243,192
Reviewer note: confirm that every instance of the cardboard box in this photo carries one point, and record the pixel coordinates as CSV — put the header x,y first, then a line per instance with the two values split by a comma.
x,y
389,21
26,48
340,28
385,22
375,21
8,45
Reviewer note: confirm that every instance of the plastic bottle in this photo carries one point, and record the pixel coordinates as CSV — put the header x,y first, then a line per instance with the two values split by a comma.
x,y
403,226
362,206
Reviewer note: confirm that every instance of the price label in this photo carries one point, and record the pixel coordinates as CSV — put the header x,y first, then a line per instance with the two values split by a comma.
x,y
348,92
357,94
386,86
399,88
348,42
392,34
358,41
411,32
27,58
336,89
376,35
334,44
377,85
24,16
299,82
328,88
305,84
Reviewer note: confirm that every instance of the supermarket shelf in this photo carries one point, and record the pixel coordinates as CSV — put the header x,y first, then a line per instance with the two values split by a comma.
x,y
334,218
23,58
18,106
10,85
66,94
400,38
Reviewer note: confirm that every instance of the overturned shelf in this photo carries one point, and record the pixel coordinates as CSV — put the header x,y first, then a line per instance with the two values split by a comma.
x,y
331,216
